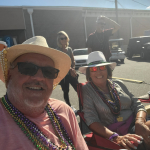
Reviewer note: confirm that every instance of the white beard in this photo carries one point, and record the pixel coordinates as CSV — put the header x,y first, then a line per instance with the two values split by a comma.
x,y
25,104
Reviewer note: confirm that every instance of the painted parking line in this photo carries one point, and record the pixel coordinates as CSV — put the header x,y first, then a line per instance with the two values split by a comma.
x,y
129,80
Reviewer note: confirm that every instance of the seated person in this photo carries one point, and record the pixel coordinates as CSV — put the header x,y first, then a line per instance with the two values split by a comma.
x,y
109,108
29,119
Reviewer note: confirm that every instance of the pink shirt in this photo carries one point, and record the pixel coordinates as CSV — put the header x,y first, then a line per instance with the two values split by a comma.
x,y
12,137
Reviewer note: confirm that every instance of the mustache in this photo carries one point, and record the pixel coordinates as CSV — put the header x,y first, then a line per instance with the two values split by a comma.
x,y
37,83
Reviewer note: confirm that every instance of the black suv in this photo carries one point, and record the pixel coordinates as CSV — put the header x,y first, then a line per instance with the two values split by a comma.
x,y
139,45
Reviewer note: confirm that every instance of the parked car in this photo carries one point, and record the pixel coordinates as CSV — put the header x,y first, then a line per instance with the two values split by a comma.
x,y
139,45
80,57
116,51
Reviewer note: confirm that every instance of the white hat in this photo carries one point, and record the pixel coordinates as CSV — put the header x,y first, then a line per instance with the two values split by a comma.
x,y
37,45
95,59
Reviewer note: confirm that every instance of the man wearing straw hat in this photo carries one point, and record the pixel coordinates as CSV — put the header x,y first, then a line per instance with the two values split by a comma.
x,y
29,119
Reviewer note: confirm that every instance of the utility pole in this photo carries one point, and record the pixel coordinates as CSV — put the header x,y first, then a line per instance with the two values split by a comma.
x,y
116,7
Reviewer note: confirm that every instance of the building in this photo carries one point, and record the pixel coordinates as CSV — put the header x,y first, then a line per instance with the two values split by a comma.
x,y
24,22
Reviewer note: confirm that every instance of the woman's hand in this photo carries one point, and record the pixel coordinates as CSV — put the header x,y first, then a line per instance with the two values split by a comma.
x,y
73,72
142,129
125,140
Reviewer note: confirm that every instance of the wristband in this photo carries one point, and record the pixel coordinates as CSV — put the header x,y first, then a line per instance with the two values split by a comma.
x,y
138,118
113,135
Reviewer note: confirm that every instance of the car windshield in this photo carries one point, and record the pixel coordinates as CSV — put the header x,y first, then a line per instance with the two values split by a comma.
x,y
80,52
114,45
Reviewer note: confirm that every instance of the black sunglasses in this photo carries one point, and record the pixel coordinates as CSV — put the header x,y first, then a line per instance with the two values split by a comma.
x,y
65,38
31,69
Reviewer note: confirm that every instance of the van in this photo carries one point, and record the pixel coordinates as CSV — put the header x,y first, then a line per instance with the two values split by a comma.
x,y
139,46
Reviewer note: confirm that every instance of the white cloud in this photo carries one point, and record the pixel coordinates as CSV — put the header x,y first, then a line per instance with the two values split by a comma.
x,y
148,7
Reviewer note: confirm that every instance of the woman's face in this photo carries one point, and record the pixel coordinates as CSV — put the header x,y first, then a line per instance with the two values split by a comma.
x,y
63,40
99,75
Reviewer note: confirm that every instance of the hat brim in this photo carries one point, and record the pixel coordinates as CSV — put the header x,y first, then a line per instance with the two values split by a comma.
x,y
60,59
83,68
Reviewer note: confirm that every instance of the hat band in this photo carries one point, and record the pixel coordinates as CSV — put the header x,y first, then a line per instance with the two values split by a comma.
x,y
96,62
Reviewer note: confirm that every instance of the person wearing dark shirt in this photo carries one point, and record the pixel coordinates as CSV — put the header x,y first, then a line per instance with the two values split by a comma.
x,y
99,40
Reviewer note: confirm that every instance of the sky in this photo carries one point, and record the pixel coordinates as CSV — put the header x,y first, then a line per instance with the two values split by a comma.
x,y
124,4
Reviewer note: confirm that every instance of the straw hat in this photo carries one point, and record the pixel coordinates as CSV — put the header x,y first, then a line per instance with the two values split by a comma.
x,y
38,45
96,59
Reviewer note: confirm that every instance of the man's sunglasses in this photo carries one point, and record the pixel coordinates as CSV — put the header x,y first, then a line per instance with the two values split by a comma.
x,y
31,69
94,69
65,38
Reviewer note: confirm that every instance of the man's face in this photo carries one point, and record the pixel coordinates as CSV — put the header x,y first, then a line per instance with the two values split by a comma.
x,y
100,24
30,93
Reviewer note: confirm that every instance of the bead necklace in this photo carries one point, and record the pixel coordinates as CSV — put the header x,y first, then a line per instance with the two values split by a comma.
x,y
40,141
113,105
108,99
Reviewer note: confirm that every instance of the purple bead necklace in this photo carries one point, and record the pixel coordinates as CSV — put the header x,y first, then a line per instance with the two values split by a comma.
x,y
115,105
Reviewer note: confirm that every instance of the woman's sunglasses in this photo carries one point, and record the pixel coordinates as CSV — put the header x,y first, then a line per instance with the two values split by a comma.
x,y
94,69
31,69
65,38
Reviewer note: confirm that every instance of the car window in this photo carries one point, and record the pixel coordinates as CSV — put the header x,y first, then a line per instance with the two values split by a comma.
x,y
114,45
80,52
146,40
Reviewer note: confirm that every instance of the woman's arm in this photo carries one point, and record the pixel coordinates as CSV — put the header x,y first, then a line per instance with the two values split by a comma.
x,y
73,61
99,129
142,127
141,116
72,68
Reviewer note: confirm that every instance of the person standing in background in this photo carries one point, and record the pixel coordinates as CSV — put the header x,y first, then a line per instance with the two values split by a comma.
x,y
72,76
99,40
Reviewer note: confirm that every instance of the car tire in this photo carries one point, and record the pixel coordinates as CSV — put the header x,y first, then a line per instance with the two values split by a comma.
x,y
143,55
122,61
130,54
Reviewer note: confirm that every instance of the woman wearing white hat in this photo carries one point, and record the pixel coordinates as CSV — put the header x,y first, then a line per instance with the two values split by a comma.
x,y
109,108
